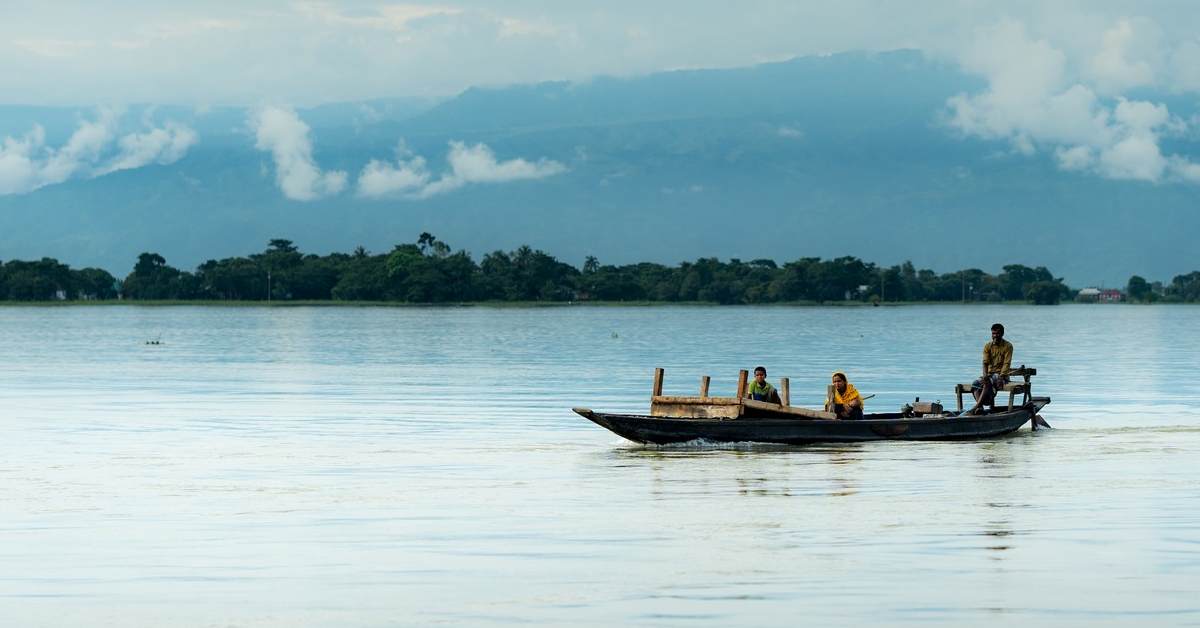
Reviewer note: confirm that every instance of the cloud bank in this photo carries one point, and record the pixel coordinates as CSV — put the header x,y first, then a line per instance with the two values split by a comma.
x,y
93,150
280,131
1041,98
410,177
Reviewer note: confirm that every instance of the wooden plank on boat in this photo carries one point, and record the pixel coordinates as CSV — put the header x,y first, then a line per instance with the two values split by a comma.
x,y
720,401
774,408
785,391
658,379
695,407
741,389
704,379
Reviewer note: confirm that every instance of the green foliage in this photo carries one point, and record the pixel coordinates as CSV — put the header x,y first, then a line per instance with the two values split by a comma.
x,y
429,271
1016,281
1185,287
1138,289
45,280
1042,292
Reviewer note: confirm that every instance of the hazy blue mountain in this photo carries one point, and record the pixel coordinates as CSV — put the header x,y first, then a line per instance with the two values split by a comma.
x,y
820,156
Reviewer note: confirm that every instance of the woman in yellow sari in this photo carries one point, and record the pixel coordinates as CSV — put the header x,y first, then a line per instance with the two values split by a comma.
x,y
845,402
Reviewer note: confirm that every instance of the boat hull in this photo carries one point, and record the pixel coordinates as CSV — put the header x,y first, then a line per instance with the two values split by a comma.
x,y
665,430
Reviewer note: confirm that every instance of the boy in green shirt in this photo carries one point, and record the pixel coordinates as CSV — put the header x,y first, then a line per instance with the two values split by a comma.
x,y
759,389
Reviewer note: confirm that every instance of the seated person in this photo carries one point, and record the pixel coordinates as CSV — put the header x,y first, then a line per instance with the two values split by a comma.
x,y
997,362
759,389
846,402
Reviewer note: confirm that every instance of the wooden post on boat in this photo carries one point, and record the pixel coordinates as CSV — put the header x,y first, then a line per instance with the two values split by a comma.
x,y
785,391
741,389
829,398
658,377
704,386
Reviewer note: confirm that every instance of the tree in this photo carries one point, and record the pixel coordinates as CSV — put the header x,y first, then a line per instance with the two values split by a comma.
x,y
152,278
1043,292
362,278
148,264
281,246
1185,287
94,283
1138,289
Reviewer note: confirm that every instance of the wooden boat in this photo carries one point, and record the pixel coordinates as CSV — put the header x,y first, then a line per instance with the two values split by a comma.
x,y
738,419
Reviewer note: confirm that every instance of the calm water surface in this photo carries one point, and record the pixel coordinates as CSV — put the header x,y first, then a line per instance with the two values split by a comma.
x,y
410,466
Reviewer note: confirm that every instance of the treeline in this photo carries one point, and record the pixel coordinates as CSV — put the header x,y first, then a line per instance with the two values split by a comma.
x,y
428,271
1182,289
49,279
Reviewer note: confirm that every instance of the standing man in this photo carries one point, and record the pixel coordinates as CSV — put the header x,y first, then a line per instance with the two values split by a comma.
x,y
759,389
997,362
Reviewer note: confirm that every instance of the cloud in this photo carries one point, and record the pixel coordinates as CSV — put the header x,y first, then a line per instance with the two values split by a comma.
x,y
55,48
191,51
790,132
1185,67
410,177
515,27
395,17
1033,101
163,146
93,150
280,131
381,179
1185,169
1127,57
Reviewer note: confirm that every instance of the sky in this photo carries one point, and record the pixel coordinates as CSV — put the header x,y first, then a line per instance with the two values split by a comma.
x,y
1084,82
306,53
1063,77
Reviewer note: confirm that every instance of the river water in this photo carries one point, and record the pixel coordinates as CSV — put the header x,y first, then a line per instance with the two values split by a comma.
x,y
376,466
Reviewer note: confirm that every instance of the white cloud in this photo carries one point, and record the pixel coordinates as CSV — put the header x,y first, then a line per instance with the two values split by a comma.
x,y
396,17
381,179
790,132
191,51
163,146
1185,67
1075,158
515,27
19,172
1033,101
27,163
83,148
280,131
55,48
477,163
1127,57
1185,169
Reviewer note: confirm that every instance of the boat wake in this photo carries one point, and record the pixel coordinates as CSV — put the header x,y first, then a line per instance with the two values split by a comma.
x,y
706,444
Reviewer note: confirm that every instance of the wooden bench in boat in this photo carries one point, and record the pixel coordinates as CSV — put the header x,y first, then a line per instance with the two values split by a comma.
x,y
1012,388
706,407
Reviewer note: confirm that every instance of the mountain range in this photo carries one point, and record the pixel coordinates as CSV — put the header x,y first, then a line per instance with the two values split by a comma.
x,y
825,156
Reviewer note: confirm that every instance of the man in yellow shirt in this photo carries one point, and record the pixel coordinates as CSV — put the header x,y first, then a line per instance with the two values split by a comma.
x,y
997,362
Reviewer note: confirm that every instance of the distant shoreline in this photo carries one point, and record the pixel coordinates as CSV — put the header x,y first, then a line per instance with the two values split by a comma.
x,y
524,304
428,272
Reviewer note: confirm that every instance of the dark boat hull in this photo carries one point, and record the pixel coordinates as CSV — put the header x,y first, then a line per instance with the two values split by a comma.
x,y
664,430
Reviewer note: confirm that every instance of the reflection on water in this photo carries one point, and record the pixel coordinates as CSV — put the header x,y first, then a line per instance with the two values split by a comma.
x,y
416,466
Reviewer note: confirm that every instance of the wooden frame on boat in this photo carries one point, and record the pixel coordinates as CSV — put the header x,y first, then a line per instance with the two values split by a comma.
x,y
1012,388
706,407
